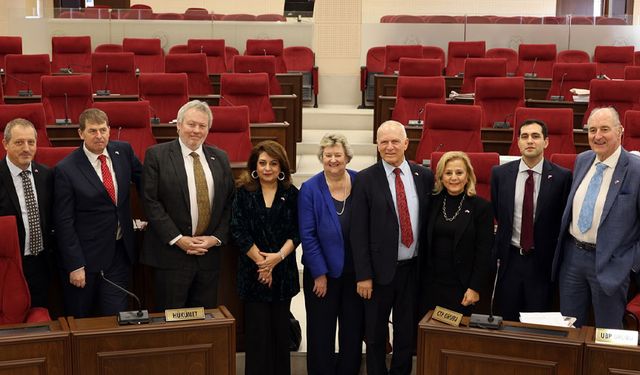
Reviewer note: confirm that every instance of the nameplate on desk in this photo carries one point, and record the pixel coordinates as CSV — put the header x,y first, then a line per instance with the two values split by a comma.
x,y
447,316
616,337
177,315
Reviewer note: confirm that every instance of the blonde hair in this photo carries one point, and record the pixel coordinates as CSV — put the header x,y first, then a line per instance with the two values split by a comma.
x,y
470,187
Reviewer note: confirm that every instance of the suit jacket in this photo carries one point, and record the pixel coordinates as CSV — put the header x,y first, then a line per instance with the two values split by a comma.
x,y
374,227
618,243
555,184
166,204
86,218
320,229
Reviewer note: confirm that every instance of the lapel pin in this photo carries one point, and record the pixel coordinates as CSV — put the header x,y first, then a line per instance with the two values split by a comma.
x,y
35,171
416,173
282,198
467,211
549,177
117,152
617,182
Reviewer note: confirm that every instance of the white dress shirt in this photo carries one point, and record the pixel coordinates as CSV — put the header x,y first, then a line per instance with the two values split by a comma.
x,y
519,197
17,183
97,166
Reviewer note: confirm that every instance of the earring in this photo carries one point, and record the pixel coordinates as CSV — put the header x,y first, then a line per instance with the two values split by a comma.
x,y
281,176
254,175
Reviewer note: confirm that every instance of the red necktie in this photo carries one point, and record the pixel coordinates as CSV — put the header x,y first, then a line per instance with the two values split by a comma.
x,y
107,179
403,211
526,227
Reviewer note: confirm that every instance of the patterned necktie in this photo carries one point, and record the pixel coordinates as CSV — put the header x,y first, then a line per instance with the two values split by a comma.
x,y
403,211
526,226
589,203
202,195
33,215
107,179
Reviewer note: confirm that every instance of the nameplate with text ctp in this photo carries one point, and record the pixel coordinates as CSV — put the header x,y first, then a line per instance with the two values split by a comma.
x,y
447,316
190,313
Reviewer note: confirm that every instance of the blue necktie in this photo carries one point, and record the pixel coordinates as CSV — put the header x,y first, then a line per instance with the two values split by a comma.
x,y
589,203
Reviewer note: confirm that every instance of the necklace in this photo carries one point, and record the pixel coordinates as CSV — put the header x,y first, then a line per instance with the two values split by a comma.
x,y
344,194
444,209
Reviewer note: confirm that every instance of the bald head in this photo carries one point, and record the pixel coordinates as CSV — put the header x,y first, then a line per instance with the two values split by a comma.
x,y
605,132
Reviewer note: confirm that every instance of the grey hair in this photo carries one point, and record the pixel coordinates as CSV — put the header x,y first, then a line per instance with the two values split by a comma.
x,y
334,139
18,122
198,106
614,115
392,124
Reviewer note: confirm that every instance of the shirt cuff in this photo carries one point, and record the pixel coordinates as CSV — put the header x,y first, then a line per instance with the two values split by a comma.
x,y
176,239
217,239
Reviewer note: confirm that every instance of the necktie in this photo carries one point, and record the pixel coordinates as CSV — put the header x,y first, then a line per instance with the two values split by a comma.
x,y
589,203
107,179
526,226
403,211
33,215
202,195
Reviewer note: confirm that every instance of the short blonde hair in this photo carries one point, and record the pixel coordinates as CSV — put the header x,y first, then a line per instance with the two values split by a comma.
x,y
470,187
334,139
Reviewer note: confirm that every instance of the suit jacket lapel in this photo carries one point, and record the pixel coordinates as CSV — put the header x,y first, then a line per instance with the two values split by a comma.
x,y
38,180
7,180
118,169
546,179
617,179
463,220
84,166
510,190
382,176
175,158
328,202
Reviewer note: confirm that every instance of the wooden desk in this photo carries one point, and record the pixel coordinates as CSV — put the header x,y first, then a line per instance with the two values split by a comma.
x,y
101,346
609,359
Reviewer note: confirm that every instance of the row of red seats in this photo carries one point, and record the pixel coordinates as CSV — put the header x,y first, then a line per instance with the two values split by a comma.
x,y
529,20
191,14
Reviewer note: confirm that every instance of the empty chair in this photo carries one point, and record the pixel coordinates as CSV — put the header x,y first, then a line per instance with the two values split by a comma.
x,y
508,54
166,93
632,72
214,49
374,65
239,17
51,156
636,58
482,163
250,89
140,6
567,76
114,73
72,53
9,45
229,54
394,53
419,67
434,52
23,73
564,160
147,53
34,112
536,60
450,127
478,19
499,98
481,67
458,52
230,131
631,138
1,95
412,95
264,47
302,59
573,56
621,95
195,66
612,60
259,64
65,97
197,14
559,123
271,17
178,48
109,47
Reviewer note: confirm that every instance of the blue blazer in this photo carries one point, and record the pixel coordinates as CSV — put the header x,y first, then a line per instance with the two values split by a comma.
x,y
320,229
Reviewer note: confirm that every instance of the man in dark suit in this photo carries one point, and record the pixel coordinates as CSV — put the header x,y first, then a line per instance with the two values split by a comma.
x,y
599,241
188,190
527,228
93,218
390,201
25,188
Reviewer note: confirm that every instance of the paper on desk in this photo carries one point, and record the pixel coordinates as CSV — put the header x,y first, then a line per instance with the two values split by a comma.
x,y
547,318
454,94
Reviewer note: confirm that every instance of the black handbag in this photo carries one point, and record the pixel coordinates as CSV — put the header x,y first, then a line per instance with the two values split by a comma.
x,y
295,333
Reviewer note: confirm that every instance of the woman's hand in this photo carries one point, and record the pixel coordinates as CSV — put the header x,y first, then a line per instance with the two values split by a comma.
x,y
270,261
264,277
470,297
320,286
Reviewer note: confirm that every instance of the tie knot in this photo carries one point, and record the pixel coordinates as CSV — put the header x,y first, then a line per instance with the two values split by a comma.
x,y
25,173
600,167
195,155
397,171
530,172
102,158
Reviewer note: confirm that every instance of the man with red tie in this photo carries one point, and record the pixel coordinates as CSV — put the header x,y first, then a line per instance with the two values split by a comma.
x,y
92,218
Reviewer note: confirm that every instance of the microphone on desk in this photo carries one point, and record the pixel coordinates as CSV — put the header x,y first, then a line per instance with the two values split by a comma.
x,y
461,74
129,317
26,92
69,68
532,73
137,72
154,115
201,48
419,121
65,120
264,51
559,97
503,124
119,130
106,91
488,321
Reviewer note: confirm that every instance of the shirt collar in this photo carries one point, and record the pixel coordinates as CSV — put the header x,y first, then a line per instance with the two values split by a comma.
x,y
404,167
186,151
14,169
537,168
93,158
612,160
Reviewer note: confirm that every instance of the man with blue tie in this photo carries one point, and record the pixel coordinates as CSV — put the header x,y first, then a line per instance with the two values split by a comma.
x,y
599,241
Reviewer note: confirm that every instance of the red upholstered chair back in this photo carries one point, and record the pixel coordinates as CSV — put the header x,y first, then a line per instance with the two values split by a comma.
x,y
458,52
413,94
213,49
559,123
239,17
632,73
375,59
481,67
621,95
434,52
553,20
197,15
265,47
168,16
166,93
195,66
140,6
612,60
136,14
114,72
636,58
442,19
148,53
229,53
71,52
600,20
582,20
259,64
631,138
299,59
23,72
499,98
51,156
9,45
178,48
230,131
482,163
108,48
569,76
420,67
564,160
129,122
573,56
271,17
34,112
394,53
478,19
508,54
15,299
450,127
536,58
250,89
407,18
78,90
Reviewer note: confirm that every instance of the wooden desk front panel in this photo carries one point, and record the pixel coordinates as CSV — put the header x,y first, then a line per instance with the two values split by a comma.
x,y
610,359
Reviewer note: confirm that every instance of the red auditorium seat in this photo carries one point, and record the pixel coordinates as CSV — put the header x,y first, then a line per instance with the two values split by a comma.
x,y
264,47
434,52
68,95
114,72
195,66
407,18
631,138
9,45
386,18
508,54
374,65
178,48
573,56
129,122
532,20
33,112
271,18
450,127
230,131
582,20
166,93
250,89
482,163
612,60
71,52
413,94
259,64
109,48
51,156
478,19
569,76
419,67
515,20
394,53
481,67
15,304
610,21
140,6
442,19
214,49
1,95
499,98
168,16
636,58
559,123
148,53
197,14
229,53
23,73
564,160
302,59
633,312
136,14
239,17
217,16
632,73
536,59
458,52
621,95
553,20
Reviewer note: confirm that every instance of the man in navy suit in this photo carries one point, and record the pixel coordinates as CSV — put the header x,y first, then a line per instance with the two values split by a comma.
x,y
525,270
599,241
93,218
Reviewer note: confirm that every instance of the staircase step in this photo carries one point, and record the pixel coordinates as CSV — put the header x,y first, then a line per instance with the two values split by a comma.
x,y
337,117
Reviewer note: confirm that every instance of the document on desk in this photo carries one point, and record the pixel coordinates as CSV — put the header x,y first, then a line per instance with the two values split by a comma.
x,y
547,318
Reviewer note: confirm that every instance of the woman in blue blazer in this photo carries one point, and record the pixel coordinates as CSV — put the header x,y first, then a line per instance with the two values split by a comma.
x,y
324,213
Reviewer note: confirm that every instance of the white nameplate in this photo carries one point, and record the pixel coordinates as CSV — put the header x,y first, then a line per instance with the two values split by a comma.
x,y
446,316
616,337
190,313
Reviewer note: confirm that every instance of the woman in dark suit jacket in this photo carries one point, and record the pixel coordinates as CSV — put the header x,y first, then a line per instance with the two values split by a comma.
x,y
459,236
324,212
264,225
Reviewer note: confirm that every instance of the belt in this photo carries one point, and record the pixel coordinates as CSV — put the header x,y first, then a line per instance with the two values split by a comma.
x,y
520,250
586,246
406,262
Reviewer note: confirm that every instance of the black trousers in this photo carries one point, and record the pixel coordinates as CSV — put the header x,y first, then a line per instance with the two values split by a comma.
x,y
186,287
37,272
266,327
343,304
